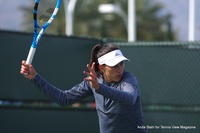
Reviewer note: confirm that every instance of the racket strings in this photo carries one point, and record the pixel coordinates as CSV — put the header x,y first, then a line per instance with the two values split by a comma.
x,y
45,11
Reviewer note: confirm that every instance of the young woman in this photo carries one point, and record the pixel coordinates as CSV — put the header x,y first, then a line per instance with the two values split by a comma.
x,y
116,91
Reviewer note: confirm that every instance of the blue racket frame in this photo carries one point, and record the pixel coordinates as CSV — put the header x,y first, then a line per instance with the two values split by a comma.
x,y
36,35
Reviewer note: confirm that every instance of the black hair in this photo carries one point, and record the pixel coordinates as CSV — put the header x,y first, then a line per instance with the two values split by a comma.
x,y
98,51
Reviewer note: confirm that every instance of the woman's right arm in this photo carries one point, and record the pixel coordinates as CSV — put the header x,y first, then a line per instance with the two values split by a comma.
x,y
67,97
59,96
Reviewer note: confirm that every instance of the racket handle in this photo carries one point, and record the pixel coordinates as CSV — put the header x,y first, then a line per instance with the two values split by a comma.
x,y
30,57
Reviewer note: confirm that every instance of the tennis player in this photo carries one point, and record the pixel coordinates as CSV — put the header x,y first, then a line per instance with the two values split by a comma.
x,y
116,91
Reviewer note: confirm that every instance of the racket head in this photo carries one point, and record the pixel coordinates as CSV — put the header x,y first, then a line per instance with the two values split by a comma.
x,y
44,12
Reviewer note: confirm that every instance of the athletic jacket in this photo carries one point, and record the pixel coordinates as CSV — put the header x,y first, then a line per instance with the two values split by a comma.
x,y
118,104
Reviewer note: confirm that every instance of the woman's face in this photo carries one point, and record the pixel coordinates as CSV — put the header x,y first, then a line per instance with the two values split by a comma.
x,y
112,74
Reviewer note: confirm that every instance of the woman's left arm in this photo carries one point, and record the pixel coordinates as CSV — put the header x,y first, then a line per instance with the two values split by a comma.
x,y
127,93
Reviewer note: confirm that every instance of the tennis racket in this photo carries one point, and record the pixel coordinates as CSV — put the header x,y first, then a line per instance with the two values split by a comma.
x,y
43,14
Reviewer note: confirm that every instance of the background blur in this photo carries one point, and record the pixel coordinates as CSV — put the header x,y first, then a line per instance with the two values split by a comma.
x,y
165,63
163,14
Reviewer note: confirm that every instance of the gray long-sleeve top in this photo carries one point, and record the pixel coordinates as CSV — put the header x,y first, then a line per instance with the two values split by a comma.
x,y
118,104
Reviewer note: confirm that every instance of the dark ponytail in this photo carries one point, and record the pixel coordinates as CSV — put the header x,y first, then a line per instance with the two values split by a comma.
x,y
94,58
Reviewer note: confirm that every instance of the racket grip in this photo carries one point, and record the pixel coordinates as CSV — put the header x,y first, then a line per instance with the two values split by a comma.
x,y
30,57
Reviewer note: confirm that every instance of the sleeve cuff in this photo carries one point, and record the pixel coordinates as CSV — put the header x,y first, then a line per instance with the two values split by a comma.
x,y
34,77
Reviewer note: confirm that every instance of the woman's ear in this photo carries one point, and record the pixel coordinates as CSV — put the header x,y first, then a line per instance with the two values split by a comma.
x,y
100,67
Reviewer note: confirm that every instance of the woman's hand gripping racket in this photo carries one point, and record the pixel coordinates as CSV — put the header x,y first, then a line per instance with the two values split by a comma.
x,y
46,11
